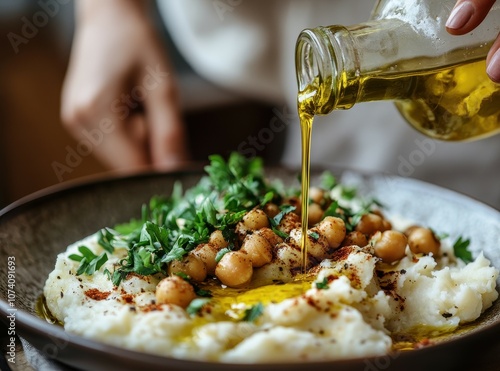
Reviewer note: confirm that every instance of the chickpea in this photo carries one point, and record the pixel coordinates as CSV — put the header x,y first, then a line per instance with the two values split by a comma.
x,y
255,219
241,231
386,225
316,195
191,265
174,290
422,240
289,222
270,236
290,254
317,247
259,250
271,209
217,239
369,224
355,238
207,252
333,229
411,229
390,245
315,213
234,269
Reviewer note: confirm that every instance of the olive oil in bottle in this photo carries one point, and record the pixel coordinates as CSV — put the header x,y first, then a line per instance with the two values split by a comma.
x,y
457,103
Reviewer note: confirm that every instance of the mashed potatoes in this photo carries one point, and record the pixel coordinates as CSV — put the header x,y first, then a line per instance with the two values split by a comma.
x,y
216,274
352,315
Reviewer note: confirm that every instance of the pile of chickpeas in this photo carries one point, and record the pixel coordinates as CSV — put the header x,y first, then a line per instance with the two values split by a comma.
x,y
259,245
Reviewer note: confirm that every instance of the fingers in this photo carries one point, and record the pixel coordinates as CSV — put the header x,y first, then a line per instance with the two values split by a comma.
x,y
118,142
493,61
467,15
101,123
167,137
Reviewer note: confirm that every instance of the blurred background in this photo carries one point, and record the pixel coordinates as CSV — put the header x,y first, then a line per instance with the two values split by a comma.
x,y
32,70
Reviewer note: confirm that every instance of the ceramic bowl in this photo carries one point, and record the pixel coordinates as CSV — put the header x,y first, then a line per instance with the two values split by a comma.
x,y
34,230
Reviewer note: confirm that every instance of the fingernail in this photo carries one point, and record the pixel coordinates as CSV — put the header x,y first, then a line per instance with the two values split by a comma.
x,y
460,15
493,69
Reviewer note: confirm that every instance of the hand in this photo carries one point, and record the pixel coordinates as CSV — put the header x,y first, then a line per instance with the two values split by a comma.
x,y
467,15
119,88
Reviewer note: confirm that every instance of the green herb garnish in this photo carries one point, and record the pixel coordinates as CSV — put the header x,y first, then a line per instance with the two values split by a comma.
x,y
254,312
221,253
89,262
196,305
322,285
285,209
314,235
348,193
328,181
350,217
460,248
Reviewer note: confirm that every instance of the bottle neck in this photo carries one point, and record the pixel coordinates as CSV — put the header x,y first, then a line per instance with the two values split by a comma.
x,y
327,68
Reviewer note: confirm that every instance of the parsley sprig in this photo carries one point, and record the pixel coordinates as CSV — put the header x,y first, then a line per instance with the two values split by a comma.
x,y
253,313
89,262
285,209
460,248
322,285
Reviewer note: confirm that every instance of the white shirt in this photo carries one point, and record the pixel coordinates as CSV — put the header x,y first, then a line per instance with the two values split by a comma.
x,y
248,46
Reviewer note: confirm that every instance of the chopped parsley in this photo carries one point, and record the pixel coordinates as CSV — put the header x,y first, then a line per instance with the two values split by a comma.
x,y
314,235
89,262
254,312
439,236
322,285
183,275
348,193
221,253
350,217
328,181
460,248
197,290
285,209
195,306
202,292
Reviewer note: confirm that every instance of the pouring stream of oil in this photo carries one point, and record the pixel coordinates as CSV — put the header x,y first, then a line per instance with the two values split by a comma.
x,y
306,108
